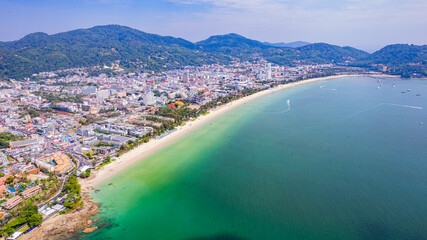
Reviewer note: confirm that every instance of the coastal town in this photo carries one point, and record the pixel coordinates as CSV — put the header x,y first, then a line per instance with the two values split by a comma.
x,y
213,120
57,127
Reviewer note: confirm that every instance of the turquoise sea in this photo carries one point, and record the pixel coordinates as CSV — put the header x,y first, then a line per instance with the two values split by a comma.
x,y
341,159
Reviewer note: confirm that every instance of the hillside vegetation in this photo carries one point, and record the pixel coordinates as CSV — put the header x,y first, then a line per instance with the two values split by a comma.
x,y
137,50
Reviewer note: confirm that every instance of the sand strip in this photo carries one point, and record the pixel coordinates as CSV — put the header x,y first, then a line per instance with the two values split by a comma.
x,y
153,145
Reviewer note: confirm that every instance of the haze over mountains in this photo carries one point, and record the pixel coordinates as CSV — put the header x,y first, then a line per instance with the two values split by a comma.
x,y
291,44
135,49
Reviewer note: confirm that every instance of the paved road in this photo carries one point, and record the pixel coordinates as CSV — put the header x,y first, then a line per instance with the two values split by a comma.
x,y
62,186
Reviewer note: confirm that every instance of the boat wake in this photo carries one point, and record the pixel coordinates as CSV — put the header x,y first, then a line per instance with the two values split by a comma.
x,y
331,89
288,102
382,104
406,106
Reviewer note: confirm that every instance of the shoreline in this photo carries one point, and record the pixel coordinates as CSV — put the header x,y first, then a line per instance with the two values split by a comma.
x,y
81,219
146,149
67,225
58,228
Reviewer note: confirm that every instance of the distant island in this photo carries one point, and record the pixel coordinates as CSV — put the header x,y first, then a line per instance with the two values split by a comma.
x,y
140,51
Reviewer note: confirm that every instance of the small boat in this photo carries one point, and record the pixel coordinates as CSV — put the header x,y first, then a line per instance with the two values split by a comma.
x,y
394,85
378,88
418,95
408,90
403,92
421,123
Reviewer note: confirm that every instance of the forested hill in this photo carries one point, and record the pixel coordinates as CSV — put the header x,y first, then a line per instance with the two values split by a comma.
x,y
316,53
101,45
246,49
97,46
398,59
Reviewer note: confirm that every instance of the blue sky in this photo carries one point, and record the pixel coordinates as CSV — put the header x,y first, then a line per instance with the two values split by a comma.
x,y
365,24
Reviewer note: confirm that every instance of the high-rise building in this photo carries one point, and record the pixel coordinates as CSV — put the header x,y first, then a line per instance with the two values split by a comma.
x,y
148,98
186,76
269,71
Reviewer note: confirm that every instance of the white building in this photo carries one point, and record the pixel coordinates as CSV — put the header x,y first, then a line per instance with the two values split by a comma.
x,y
269,71
15,236
3,159
103,94
186,76
148,98
89,90
28,142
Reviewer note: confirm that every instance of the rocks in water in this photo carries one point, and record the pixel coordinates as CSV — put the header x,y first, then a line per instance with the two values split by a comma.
x,y
89,230
66,226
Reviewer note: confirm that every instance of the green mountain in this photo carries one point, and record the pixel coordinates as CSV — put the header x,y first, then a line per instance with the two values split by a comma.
x,y
244,48
100,45
315,53
398,59
234,45
230,41
103,45
400,54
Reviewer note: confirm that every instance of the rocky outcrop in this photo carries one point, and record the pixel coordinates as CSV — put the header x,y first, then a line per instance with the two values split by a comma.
x,y
89,230
66,226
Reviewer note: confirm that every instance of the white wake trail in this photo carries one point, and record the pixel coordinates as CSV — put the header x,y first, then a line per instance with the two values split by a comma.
x,y
288,102
331,89
382,104
406,106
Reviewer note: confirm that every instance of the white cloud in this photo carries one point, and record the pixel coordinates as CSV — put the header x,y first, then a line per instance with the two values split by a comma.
x,y
305,4
359,23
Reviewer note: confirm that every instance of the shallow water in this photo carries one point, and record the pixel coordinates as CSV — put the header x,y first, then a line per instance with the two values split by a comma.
x,y
340,160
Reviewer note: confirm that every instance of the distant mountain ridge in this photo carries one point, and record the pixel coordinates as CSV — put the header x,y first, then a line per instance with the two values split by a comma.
x,y
112,32
231,40
136,49
289,45
234,45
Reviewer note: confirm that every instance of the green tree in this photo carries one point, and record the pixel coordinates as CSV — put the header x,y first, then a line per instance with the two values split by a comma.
x,y
72,185
9,230
28,211
9,180
35,220
86,174
6,137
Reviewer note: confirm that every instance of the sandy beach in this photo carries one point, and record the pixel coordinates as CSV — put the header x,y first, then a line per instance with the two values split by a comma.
x,y
153,145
